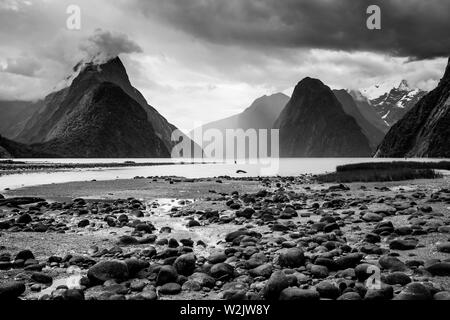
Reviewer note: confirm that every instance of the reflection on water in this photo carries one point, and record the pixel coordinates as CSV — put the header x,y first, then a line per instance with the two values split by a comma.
x,y
285,167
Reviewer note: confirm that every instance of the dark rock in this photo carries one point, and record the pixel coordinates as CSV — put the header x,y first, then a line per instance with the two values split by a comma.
x,y
443,295
217,257
391,263
203,279
144,227
350,296
372,217
439,269
372,238
350,260
24,218
222,271
11,290
385,292
275,285
127,240
246,213
41,278
328,290
292,258
170,288
135,266
414,291
364,271
293,293
319,271
185,264
108,270
403,244
264,270
24,255
166,274
73,295
235,234
444,247
397,278
83,223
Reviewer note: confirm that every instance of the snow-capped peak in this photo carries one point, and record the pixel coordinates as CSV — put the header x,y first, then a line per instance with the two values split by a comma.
x,y
404,86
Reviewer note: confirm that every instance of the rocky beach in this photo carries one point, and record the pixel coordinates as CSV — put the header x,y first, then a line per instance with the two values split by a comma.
x,y
279,238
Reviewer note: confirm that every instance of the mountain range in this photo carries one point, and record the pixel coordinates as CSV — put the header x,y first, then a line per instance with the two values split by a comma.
x,y
425,130
99,115
393,105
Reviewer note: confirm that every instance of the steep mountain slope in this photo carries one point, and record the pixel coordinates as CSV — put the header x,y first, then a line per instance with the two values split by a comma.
x,y
105,122
368,111
12,149
372,133
314,124
393,105
14,115
425,130
44,125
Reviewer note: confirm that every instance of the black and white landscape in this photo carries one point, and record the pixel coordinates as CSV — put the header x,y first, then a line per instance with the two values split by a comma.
x,y
235,150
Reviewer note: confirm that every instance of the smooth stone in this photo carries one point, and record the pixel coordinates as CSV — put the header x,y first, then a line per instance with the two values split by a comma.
x,y
292,258
391,263
166,274
11,289
277,282
403,244
222,271
293,293
328,290
444,247
439,269
185,264
414,291
108,270
397,278
41,278
350,296
170,288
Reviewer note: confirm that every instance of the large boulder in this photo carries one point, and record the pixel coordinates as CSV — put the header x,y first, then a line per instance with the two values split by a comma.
x,y
108,270
293,293
11,289
277,282
292,258
185,264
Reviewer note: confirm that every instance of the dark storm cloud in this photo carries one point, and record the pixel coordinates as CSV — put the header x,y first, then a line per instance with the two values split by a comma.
x,y
411,28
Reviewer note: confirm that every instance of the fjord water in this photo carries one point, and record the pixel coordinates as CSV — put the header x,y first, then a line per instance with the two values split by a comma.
x,y
181,168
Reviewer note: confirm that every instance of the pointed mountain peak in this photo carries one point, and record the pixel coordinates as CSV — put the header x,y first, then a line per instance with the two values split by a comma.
x,y
404,86
307,85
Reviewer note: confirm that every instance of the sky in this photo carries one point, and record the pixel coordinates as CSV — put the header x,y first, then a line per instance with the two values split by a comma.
x,y
197,61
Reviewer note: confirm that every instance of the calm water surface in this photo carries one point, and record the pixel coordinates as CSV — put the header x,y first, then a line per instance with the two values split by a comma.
x,y
285,167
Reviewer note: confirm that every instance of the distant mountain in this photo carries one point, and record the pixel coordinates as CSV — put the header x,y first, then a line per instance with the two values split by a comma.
x,y
314,124
372,133
99,115
11,149
14,115
261,114
393,105
425,130
367,110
